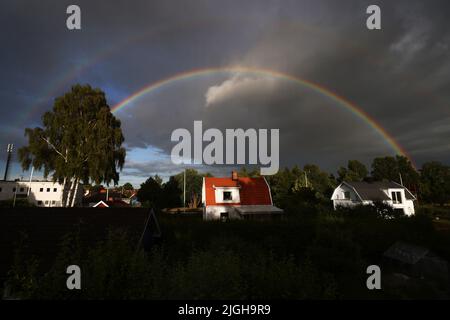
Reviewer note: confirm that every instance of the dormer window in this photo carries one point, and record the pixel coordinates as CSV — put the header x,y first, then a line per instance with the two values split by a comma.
x,y
227,196
396,197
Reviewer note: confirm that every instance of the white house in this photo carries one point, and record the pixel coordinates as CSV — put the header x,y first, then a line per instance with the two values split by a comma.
x,y
350,194
237,198
41,193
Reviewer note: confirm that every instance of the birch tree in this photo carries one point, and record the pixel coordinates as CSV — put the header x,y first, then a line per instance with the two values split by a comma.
x,y
80,140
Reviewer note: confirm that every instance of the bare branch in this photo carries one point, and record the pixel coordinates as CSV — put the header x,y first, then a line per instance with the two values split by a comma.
x,y
54,148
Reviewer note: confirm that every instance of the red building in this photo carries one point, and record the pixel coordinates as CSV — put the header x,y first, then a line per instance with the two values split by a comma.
x,y
237,198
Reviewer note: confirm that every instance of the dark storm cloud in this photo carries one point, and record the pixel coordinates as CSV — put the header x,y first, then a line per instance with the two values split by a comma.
x,y
399,75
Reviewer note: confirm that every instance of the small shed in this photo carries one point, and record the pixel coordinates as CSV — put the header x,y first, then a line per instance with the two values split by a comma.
x,y
416,261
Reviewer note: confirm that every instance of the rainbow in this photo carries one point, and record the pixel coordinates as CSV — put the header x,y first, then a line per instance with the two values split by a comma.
x,y
348,105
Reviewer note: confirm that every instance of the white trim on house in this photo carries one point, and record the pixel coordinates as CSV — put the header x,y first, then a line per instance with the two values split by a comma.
x,y
372,192
99,203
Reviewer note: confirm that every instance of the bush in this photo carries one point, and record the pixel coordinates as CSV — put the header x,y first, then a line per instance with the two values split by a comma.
x,y
320,254
20,203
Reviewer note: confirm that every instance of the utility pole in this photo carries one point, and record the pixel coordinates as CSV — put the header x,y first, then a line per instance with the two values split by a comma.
x,y
9,150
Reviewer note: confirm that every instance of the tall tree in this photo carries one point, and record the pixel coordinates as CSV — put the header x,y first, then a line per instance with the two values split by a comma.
x,y
282,184
385,169
435,183
355,171
390,168
410,176
150,193
128,186
319,180
80,140
171,196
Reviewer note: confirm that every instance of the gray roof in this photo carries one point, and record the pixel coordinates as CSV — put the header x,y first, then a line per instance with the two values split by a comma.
x,y
258,209
373,190
406,253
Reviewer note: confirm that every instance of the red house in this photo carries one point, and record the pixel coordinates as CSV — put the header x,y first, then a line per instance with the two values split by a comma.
x,y
237,198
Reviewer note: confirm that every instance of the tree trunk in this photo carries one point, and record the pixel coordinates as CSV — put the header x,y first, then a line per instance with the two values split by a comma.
x,y
74,194
64,193
69,193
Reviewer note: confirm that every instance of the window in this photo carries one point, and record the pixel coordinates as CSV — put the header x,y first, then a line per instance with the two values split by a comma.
x,y
396,197
41,189
39,203
48,189
53,202
227,196
54,189
46,202
22,189
224,216
347,195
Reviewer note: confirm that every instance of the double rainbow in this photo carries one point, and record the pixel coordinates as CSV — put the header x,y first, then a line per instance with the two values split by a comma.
x,y
340,101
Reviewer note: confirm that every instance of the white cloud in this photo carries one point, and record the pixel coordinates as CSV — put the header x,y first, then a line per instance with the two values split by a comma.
x,y
238,85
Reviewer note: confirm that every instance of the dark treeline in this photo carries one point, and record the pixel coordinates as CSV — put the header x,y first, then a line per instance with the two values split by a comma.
x,y
308,185
154,193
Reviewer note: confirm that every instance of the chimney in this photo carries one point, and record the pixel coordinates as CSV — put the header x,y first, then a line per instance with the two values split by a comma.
x,y
234,175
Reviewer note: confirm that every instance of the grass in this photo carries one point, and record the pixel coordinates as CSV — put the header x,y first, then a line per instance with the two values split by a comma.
x,y
315,253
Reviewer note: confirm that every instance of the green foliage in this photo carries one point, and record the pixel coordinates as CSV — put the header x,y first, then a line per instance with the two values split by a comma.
x,y
297,187
150,193
243,172
322,255
390,168
355,171
22,281
194,182
385,169
171,193
435,183
212,274
153,193
128,186
80,139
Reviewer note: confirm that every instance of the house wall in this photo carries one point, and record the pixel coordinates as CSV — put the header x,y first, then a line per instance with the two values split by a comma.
x,y
42,193
218,193
407,205
339,199
213,212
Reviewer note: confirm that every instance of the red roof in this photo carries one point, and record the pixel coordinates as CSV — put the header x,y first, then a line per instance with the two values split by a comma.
x,y
252,191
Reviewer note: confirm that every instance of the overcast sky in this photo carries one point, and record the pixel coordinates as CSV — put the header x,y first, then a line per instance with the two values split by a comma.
x,y
399,75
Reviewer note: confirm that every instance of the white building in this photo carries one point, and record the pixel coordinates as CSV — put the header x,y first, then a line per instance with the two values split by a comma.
x,y
41,193
351,194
